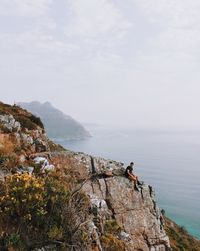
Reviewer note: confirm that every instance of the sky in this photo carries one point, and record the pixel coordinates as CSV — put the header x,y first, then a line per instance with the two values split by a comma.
x,y
130,63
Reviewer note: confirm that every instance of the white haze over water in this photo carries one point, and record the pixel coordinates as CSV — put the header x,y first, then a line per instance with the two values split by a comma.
x,y
131,62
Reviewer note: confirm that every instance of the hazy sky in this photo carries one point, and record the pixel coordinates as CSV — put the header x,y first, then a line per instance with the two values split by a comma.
x,y
130,62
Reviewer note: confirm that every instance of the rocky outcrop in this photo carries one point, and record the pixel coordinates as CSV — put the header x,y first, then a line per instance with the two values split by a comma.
x,y
10,123
34,140
114,198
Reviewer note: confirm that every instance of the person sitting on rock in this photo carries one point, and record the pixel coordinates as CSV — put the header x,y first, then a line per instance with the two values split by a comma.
x,y
129,174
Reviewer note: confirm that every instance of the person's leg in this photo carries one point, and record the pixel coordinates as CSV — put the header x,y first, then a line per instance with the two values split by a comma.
x,y
134,179
137,180
131,178
139,183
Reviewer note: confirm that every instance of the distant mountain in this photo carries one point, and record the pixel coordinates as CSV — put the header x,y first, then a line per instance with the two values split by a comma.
x,y
58,125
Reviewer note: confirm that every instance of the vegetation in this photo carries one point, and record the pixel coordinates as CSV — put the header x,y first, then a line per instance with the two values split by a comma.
x,y
180,239
26,119
36,211
40,209
112,243
111,227
109,239
8,152
55,147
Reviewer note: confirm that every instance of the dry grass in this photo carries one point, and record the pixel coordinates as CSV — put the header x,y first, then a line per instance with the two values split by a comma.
x,y
180,239
9,152
68,169
7,144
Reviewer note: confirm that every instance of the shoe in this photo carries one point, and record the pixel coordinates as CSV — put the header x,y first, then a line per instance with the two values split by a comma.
x,y
140,183
137,188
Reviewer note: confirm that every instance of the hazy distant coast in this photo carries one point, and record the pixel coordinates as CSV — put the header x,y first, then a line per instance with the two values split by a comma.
x,y
59,126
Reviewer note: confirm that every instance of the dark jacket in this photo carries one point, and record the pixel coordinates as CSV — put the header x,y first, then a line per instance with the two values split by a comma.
x,y
129,169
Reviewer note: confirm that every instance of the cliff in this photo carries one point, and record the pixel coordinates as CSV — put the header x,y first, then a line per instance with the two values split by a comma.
x,y
55,199
114,199
67,128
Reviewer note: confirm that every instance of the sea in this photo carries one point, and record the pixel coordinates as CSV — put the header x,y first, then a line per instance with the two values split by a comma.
x,y
169,160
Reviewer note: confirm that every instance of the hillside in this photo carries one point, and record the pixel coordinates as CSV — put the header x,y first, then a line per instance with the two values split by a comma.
x,y
56,199
66,129
180,239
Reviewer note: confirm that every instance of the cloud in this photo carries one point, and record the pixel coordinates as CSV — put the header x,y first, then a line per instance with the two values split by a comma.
x,y
96,18
27,8
31,54
33,42
117,55
176,38
179,13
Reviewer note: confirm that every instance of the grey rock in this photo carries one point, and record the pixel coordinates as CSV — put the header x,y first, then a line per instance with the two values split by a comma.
x,y
10,123
136,212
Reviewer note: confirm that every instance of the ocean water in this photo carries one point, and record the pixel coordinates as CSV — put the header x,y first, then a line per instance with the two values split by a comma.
x,y
168,160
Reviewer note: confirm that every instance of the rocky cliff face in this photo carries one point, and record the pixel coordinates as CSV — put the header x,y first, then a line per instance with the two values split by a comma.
x,y
118,217
33,140
114,198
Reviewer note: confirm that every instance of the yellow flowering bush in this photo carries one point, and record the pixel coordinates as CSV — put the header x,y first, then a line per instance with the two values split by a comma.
x,y
22,198
40,210
55,233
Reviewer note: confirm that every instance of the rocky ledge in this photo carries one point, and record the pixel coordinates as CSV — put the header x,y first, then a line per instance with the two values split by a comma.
x,y
114,198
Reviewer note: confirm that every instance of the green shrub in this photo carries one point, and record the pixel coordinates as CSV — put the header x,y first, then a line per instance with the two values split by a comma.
x,y
112,227
26,119
37,121
13,240
22,199
25,122
55,232
109,239
41,210
2,159
112,243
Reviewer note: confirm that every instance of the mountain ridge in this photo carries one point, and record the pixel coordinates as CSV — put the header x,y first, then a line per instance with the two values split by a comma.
x,y
67,128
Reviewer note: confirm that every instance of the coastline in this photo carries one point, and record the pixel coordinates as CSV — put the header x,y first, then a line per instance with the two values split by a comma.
x,y
150,167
